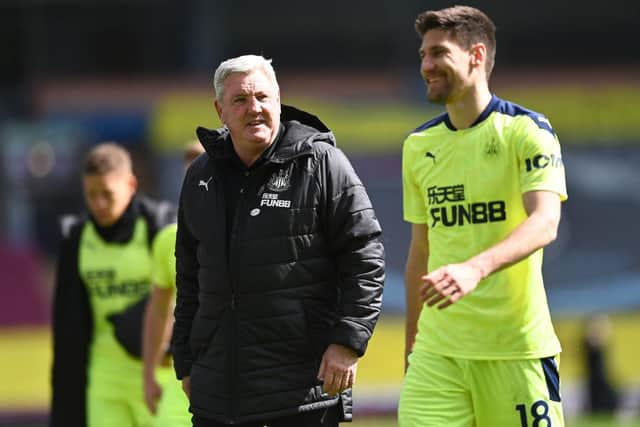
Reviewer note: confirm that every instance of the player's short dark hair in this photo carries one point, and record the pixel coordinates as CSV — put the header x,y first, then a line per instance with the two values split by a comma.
x,y
105,158
467,25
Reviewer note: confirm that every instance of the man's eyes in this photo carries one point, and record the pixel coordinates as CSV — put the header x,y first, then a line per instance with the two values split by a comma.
x,y
432,53
243,99
100,195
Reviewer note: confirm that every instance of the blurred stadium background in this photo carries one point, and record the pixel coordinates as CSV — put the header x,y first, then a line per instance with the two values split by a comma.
x,y
73,73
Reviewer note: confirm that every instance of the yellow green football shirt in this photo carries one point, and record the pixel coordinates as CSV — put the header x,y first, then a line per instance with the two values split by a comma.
x,y
164,260
467,186
116,275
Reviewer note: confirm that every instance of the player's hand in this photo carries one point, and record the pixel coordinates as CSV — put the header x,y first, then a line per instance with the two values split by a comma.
x,y
338,369
152,393
446,285
186,386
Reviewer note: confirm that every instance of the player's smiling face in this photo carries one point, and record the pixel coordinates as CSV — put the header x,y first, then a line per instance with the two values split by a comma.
x,y
445,66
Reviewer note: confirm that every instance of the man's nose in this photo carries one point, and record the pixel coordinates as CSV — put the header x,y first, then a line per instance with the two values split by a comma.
x,y
426,64
100,203
254,105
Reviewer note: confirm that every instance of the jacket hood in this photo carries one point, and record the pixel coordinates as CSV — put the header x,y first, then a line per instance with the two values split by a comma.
x,y
302,129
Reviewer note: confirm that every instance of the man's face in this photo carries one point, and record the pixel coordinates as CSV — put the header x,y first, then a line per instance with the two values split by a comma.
x,y
108,195
250,109
445,67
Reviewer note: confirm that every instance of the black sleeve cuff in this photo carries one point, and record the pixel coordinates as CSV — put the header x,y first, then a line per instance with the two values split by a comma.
x,y
356,340
182,367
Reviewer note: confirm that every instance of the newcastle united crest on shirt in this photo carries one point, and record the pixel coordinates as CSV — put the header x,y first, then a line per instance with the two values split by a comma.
x,y
280,180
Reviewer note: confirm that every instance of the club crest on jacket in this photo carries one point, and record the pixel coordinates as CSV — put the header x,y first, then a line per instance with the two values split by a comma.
x,y
280,180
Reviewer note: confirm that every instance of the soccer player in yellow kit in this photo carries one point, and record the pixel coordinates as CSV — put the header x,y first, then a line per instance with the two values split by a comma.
x,y
164,397
482,188
103,271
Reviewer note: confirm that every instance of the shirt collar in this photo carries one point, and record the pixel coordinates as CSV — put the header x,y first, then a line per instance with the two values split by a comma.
x,y
492,106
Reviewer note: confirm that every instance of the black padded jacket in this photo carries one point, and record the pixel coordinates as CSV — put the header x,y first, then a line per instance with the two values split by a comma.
x,y
303,268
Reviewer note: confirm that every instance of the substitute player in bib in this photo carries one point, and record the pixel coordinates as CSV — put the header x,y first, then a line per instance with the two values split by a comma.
x,y
483,185
104,270
167,401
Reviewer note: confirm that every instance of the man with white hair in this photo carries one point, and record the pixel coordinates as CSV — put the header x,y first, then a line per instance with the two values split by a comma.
x,y
279,260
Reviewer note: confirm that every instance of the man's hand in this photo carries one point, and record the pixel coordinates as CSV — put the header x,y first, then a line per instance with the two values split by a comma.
x,y
338,369
152,393
447,284
186,386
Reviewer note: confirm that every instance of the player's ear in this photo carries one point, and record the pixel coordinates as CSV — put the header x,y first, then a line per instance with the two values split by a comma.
x,y
478,53
133,183
219,110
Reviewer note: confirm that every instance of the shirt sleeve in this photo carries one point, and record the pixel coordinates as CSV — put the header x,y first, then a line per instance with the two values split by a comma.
x,y
355,241
187,288
413,202
540,157
163,273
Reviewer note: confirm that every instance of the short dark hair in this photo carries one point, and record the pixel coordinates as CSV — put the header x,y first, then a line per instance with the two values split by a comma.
x,y
105,158
467,25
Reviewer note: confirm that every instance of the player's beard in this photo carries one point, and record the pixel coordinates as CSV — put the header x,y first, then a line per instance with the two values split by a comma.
x,y
448,87
442,93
